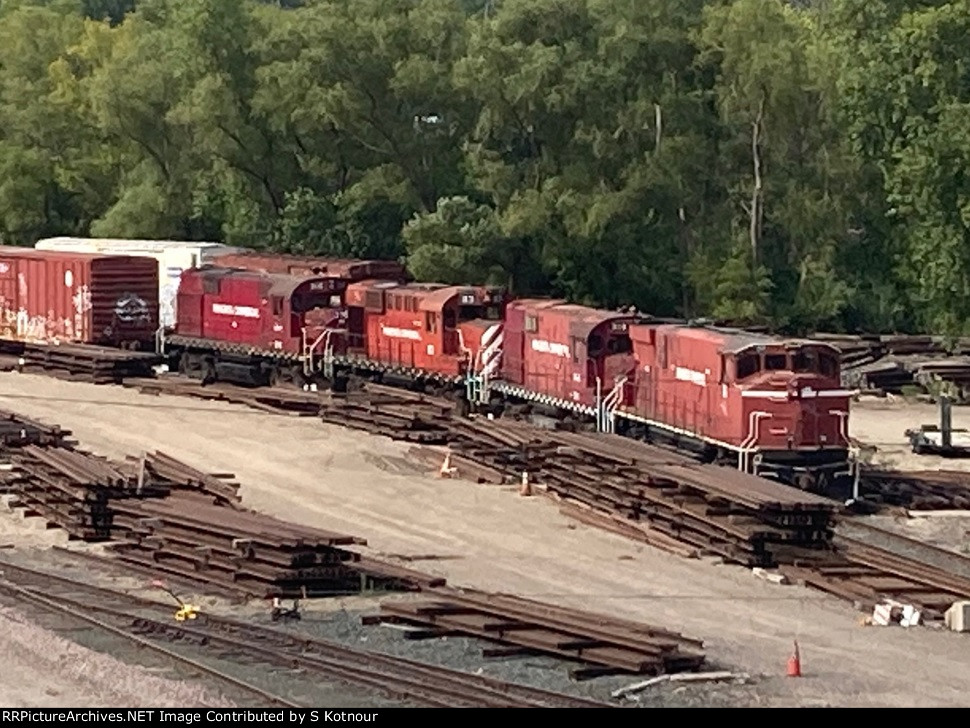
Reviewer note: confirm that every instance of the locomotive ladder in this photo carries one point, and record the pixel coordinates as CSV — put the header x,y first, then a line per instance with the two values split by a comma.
x,y
606,406
309,349
477,382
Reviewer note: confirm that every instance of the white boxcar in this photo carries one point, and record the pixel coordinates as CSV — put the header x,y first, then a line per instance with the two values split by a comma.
x,y
173,256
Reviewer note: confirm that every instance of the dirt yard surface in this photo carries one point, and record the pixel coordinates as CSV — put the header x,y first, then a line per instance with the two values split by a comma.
x,y
339,479
882,423
43,670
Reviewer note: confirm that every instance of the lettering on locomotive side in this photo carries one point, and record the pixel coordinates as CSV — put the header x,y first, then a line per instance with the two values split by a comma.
x,y
689,375
225,309
548,347
396,333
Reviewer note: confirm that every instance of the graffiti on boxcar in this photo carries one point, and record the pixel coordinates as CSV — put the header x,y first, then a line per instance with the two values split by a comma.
x,y
132,309
82,304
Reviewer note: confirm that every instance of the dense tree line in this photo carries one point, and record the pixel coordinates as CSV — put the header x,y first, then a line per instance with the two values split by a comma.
x,y
803,164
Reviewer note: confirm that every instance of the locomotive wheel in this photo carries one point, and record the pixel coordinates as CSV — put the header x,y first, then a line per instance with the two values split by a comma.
x,y
209,375
273,377
808,482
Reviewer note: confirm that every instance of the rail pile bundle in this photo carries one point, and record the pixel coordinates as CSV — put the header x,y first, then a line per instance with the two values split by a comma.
x,y
889,363
173,518
607,645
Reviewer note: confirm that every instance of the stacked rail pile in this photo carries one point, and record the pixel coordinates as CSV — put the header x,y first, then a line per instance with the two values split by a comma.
x,y
88,363
267,399
607,645
70,489
867,575
890,362
172,517
917,490
651,494
237,550
249,553
163,471
381,410
16,430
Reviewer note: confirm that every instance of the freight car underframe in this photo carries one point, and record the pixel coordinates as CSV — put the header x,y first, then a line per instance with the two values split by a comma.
x,y
211,360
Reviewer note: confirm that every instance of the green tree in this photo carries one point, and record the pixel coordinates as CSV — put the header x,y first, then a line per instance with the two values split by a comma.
x,y
906,100
787,164
42,183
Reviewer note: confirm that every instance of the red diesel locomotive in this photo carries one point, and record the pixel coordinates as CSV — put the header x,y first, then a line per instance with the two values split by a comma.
x,y
251,326
420,331
771,405
261,328
764,404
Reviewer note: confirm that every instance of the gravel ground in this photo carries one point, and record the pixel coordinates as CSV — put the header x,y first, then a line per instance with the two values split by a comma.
x,y
340,620
341,480
43,669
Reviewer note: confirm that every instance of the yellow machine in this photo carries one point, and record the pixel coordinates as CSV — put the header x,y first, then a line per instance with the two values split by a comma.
x,y
185,611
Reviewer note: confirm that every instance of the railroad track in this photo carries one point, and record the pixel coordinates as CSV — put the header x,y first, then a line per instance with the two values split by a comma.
x,y
77,611
900,569
680,511
399,678
917,490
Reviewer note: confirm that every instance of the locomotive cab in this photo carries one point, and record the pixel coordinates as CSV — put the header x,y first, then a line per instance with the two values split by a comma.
x,y
480,312
610,360
316,304
795,411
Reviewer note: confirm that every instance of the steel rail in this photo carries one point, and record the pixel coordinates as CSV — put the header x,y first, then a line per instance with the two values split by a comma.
x,y
433,685
75,610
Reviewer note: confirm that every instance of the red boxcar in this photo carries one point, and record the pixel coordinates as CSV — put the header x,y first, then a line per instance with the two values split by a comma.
x,y
421,328
251,310
51,297
742,393
296,265
568,354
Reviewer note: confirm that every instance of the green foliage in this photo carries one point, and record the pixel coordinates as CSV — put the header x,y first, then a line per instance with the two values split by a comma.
x,y
797,164
458,243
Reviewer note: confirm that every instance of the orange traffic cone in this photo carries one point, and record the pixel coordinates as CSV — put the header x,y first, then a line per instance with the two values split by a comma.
x,y
526,487
446,470
795,663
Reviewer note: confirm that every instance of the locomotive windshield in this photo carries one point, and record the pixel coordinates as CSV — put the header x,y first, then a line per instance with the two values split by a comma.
x,y
480,304
304,301
806,360
615,344
472,313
